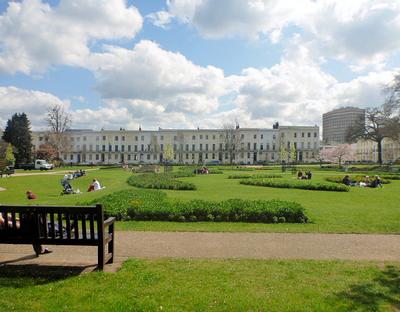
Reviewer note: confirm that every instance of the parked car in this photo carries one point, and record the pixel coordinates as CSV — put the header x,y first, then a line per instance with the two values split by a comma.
x,y
41,164
27,166
8,171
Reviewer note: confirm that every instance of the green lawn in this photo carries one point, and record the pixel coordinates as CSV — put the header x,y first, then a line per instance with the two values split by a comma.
x,y
204,285
362,210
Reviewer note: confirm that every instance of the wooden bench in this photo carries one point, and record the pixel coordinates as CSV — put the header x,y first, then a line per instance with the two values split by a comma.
x,y
50,225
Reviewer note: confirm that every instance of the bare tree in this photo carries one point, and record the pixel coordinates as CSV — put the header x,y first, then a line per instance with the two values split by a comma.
x,y
59,121
377,125
232,139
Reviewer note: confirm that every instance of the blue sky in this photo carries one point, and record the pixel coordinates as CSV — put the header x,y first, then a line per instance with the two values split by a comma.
x,y
195,63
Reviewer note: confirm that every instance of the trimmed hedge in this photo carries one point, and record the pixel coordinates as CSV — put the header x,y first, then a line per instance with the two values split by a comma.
x,y
255,176
161,181
339,179
118,203
153,205
304,185
232,210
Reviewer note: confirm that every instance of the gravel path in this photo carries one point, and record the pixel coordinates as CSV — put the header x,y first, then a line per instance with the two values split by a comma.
x,y
130,244
51,172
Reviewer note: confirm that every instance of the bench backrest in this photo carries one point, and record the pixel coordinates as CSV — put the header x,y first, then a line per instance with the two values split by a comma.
x,y
52,224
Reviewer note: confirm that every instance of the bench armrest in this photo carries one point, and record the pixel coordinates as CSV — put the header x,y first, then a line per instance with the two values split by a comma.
x,y
109,221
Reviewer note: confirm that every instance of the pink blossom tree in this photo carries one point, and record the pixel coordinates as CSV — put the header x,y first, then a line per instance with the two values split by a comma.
x,y
338,154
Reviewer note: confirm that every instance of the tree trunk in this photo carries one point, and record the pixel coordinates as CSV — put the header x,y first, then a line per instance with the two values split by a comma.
x,y
379,152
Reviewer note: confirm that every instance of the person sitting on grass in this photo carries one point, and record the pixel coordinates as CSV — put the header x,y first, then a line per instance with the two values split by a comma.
x,y
30,195
377,182
300,175
346,180
95,186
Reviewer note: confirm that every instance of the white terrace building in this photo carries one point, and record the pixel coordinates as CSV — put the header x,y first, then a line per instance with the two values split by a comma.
x,y
252,145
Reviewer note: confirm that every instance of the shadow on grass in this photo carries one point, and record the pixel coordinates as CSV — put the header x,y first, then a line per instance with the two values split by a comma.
x,y
27,275
384,289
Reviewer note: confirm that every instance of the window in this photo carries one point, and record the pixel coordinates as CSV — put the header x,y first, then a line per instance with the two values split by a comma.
x,y
255,136
142,138
248,155
295,134
187,156
242,136
273,147
206,147
110,148
129,148
148,156
129,156
123,138
71,157
174,147
97,138
116,138
302,134
262,136
155,157
97,157
315,134
175,137
148,147
136,138
162,138
308,135
261,147
122,148
214,137
90,156
248,146
90,147
84,138
135,148
187,147
295,144
207,137
97,148
162,146
142,147
213,156
103,148
193,147
220,146
206,155
201,137
116,148
267,146
274,136
213,147
193,137
255,146
201,147
104,138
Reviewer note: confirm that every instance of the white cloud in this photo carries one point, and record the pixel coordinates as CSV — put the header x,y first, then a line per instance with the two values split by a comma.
x,y
33,103
34,35
362,31
160,18
149,73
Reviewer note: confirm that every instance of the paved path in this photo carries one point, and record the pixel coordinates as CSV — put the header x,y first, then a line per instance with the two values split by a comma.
x,y
132,244
2,189
51,172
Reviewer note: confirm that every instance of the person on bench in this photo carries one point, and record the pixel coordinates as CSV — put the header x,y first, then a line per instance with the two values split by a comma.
x,y
38,248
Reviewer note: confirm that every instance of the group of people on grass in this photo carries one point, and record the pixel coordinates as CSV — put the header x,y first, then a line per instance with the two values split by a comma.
x,y
203,170
307,175
376,182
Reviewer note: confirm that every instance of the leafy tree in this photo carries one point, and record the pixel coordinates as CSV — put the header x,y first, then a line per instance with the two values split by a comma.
x,y
169,153
338,154
18,134
9,155
46,151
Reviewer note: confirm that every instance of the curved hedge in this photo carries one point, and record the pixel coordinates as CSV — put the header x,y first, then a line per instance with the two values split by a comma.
x,y
161,181
297,184
255,176
339,179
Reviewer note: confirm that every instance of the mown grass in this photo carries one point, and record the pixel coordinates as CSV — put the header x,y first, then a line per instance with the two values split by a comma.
x,y
210,285
362,210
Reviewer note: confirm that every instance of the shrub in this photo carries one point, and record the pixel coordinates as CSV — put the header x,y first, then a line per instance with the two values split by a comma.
x,y
118,203
153,205
233,210
305,185
254,176
358,178
161,181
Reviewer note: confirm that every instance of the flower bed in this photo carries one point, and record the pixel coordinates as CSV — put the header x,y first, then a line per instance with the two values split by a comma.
x,y
304,185
153,205
358,179
161,181
255,176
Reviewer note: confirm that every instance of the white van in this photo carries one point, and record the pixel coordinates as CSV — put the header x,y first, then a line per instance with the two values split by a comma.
x,y
41,164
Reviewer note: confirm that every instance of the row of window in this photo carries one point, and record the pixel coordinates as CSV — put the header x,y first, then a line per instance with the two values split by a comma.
x,y
187,147
221,136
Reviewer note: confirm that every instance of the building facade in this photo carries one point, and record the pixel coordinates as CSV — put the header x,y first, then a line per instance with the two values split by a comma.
x,y
367,151
200,146
336,123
